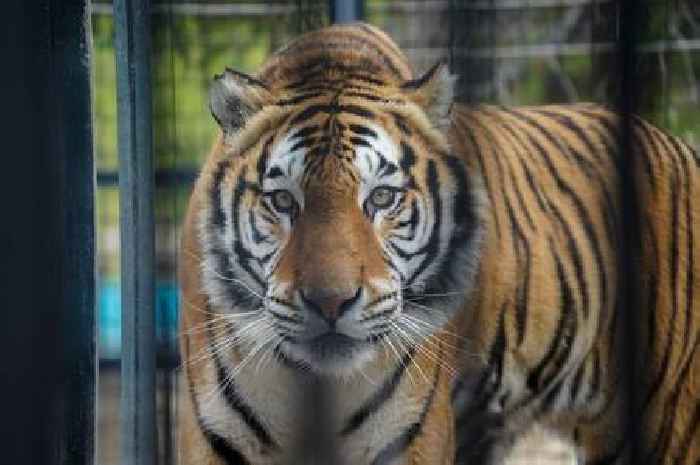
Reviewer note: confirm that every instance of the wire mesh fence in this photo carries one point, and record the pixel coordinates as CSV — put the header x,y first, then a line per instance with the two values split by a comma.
x,y
505,52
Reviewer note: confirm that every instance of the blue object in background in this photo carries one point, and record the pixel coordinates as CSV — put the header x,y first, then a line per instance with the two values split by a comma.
x,y
109,320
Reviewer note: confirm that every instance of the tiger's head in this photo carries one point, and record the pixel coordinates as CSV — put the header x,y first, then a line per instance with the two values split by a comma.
x,y
337,224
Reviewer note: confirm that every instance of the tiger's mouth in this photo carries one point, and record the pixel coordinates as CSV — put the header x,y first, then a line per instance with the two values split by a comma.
x,y
329,353
332,343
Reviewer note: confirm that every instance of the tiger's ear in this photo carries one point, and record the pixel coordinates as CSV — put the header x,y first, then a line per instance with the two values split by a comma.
x,y
234,97
434,92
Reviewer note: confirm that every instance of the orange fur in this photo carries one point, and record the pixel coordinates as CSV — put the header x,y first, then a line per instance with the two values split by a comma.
x,y
542,314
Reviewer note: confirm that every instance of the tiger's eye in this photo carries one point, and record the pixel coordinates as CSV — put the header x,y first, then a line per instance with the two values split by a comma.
x,y
282,200
382,197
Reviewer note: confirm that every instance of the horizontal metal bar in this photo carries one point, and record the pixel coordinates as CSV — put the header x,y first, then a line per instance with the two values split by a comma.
x,y
265,9
163,178
208,9
484,5
560,49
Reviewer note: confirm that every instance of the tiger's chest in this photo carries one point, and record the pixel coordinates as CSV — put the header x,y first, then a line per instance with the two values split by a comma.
x,y
271,413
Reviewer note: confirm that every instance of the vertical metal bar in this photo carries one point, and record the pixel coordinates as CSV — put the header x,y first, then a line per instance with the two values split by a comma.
x,y
136,184
630,246
47,293
346,11
71,122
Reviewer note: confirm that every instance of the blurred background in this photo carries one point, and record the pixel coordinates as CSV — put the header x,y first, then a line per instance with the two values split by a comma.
x,y
510,52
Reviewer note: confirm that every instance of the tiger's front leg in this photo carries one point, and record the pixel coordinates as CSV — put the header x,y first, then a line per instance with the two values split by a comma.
x,y
435,443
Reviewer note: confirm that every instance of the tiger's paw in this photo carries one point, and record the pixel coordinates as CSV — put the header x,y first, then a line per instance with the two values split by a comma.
x,y
540,446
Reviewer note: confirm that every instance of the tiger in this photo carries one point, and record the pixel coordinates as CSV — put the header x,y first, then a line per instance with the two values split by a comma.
x,y
452,275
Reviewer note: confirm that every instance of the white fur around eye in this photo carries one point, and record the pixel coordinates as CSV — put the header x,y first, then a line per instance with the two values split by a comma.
x,y
291,164
367,163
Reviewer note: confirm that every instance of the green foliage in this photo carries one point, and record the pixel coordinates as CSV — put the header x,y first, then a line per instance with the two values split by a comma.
x,y
189,50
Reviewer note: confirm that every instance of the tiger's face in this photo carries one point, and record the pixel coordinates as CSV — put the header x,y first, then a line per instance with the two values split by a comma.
x,y
344,230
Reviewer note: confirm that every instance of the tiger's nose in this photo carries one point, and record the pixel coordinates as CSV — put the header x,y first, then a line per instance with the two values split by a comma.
x,y
330,304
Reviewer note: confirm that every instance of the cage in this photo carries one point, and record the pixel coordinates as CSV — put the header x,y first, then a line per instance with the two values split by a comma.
x,y
150,67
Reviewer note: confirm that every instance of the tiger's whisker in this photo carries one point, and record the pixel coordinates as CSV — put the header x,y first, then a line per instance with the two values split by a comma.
x,y
224,278
406,350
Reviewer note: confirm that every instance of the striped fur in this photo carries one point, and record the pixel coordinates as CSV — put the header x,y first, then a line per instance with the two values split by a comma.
x,y
451,276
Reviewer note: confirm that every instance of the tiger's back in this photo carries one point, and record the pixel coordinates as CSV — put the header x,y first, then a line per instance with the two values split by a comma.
x,y
550,312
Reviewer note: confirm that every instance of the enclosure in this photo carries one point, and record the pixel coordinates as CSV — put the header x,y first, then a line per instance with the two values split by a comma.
x,y
639,57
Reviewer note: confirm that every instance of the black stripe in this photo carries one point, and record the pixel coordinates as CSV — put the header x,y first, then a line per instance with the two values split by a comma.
x,y
240,251
399,444
572,125
222,448
652,142
238,295
401,123
487,386
517,142
385,392
219,217
587,165
485,176
573,249
257,235
408,160
689,230
523,292
578,379
305,142
316,69
416,83
363,130
581,211
595,381
359,141
566,329
364,95
306,131
308,113
298,99
520,241
672,405
673,251
263,160
432,247
692,433
356,110
587,168
236,403
506,172
229,454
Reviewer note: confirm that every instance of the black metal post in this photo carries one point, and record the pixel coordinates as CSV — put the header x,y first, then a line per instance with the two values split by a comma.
x,y
47,246
136,184
630,247
346,11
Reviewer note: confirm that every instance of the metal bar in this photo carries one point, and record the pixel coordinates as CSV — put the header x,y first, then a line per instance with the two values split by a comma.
x,y
163,178
631,243
50,315
48,244
208,9
71,121
554,49
346,11
413,6
136,184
